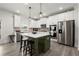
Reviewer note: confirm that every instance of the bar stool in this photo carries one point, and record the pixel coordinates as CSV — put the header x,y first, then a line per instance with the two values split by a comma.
x,y
23,43
26,45
30,46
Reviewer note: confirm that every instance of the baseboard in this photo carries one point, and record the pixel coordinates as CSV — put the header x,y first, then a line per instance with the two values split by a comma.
x,y
3,42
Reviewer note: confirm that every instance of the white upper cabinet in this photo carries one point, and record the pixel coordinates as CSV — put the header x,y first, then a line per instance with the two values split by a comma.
x,y
64,16
42,21
69,15
50,20
24,21
54,19
33,24
60,17
17,21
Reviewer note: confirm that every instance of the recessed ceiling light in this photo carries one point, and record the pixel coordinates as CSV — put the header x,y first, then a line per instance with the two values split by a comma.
x,y
60,8
18,11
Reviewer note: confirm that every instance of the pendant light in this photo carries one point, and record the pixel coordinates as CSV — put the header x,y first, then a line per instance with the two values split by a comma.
x,y
29,12
41,10
29,17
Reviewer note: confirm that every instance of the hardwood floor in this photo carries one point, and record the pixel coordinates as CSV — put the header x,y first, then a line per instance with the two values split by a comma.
x,y
56,49
61,50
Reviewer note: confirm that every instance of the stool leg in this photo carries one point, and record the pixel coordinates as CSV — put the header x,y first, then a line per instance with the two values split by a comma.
x,y
22,51
26,51
21,42
23,48
24,45
31,51
20,45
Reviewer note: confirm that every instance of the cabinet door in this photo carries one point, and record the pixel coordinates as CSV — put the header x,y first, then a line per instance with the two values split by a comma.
x,y
69,15
41,45
47,43
44,44
17,21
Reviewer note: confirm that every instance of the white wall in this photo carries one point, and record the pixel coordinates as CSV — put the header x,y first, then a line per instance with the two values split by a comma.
x,y
76,25
6,26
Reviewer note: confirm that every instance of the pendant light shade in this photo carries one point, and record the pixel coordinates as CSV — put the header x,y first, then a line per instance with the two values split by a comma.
x,y
40,14
41,10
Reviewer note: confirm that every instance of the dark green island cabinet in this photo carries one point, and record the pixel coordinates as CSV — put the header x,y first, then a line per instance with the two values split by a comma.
x,y
40,45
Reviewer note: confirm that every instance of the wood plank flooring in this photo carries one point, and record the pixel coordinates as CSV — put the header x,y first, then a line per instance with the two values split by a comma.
x,y
56,49
61,50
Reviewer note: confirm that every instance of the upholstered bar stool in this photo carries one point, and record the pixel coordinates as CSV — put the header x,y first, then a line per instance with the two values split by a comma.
x,y
31,42
23,43
26,45
29,47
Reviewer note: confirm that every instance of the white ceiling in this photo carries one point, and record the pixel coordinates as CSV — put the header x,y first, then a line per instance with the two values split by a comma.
x,y
47,8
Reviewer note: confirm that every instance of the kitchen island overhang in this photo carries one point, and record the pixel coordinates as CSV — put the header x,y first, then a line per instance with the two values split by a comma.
x,y
36,35
41,42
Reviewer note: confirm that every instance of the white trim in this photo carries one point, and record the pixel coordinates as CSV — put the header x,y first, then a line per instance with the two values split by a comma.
x,y
15,38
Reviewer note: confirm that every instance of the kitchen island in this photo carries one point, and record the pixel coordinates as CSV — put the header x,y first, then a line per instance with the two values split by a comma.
x,y
41,42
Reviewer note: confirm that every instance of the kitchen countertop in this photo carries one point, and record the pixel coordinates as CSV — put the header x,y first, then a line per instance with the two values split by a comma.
x,y
37,35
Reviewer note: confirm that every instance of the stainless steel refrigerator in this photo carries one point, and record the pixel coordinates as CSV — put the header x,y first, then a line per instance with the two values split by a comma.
x,y
65,32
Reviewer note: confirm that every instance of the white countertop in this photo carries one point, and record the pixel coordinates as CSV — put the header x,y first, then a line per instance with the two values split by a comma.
x,y
37,35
